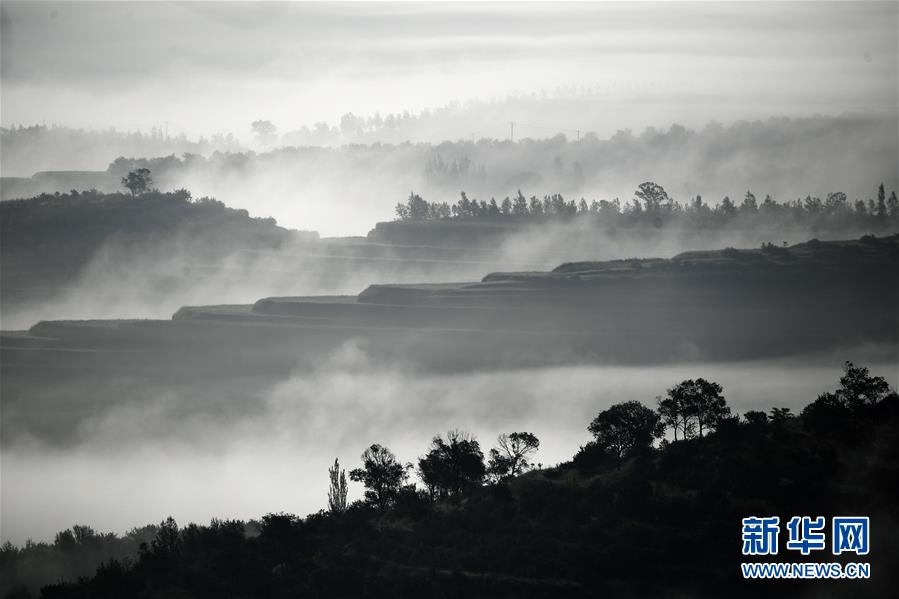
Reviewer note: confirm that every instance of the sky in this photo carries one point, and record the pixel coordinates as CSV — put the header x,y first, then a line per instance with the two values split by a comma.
x,y
212,67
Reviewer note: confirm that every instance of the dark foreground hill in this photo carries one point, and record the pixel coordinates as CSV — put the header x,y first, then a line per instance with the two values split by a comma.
x,y
665,523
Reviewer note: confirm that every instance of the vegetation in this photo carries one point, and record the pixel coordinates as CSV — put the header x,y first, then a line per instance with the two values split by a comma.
x,y
622,518
337,493
138,181
653,206
49,240
693,406
626,428
89,217
511,456
452,466
27,149
381,474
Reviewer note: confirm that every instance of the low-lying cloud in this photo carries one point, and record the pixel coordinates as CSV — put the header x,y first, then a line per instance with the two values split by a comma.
x,y
250,446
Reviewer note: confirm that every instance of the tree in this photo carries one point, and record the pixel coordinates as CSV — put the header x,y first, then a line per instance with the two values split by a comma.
x,y
859,389
338,490
750,205
167,542
653,196
626,428
848,409
138,181
381,474
510,458
705,404
881,210
727,207
781,415
834,202
520,205
673,414
452,465
698,406
755,418
351,124
415,208
264,131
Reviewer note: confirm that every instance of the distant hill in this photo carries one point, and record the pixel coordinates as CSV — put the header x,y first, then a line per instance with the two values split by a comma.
x,y
46,241
787,158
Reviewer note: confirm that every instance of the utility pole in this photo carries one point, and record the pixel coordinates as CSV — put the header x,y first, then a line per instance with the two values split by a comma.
x,y
512,131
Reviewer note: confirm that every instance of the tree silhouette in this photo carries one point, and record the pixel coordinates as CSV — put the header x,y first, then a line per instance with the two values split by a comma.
x,y
452,465
138,181
338,490
881,209
705,404
852,406
673,413
755,418
750,205
653,196
858,388
510,458
697,405
780,415
625,428
415,208
381,474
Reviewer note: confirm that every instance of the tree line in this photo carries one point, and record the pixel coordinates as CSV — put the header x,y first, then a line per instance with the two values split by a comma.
x,y
496,522
651,204
455,464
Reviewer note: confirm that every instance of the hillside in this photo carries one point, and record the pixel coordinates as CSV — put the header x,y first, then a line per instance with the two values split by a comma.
x,y
47,241
664,523
716,305
816,297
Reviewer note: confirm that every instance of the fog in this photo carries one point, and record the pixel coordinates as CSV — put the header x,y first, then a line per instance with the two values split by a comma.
x,y
299,64
343,192
248,447
346,190
153,278
370,103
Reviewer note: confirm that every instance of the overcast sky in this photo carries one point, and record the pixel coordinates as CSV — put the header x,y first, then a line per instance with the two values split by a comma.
x,y
207,67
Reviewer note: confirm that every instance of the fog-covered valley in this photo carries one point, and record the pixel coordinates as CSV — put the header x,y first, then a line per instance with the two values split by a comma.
x,y
252,445
344,190
652,247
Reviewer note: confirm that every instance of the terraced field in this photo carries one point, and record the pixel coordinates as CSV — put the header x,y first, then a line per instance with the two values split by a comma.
x,y
723,305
